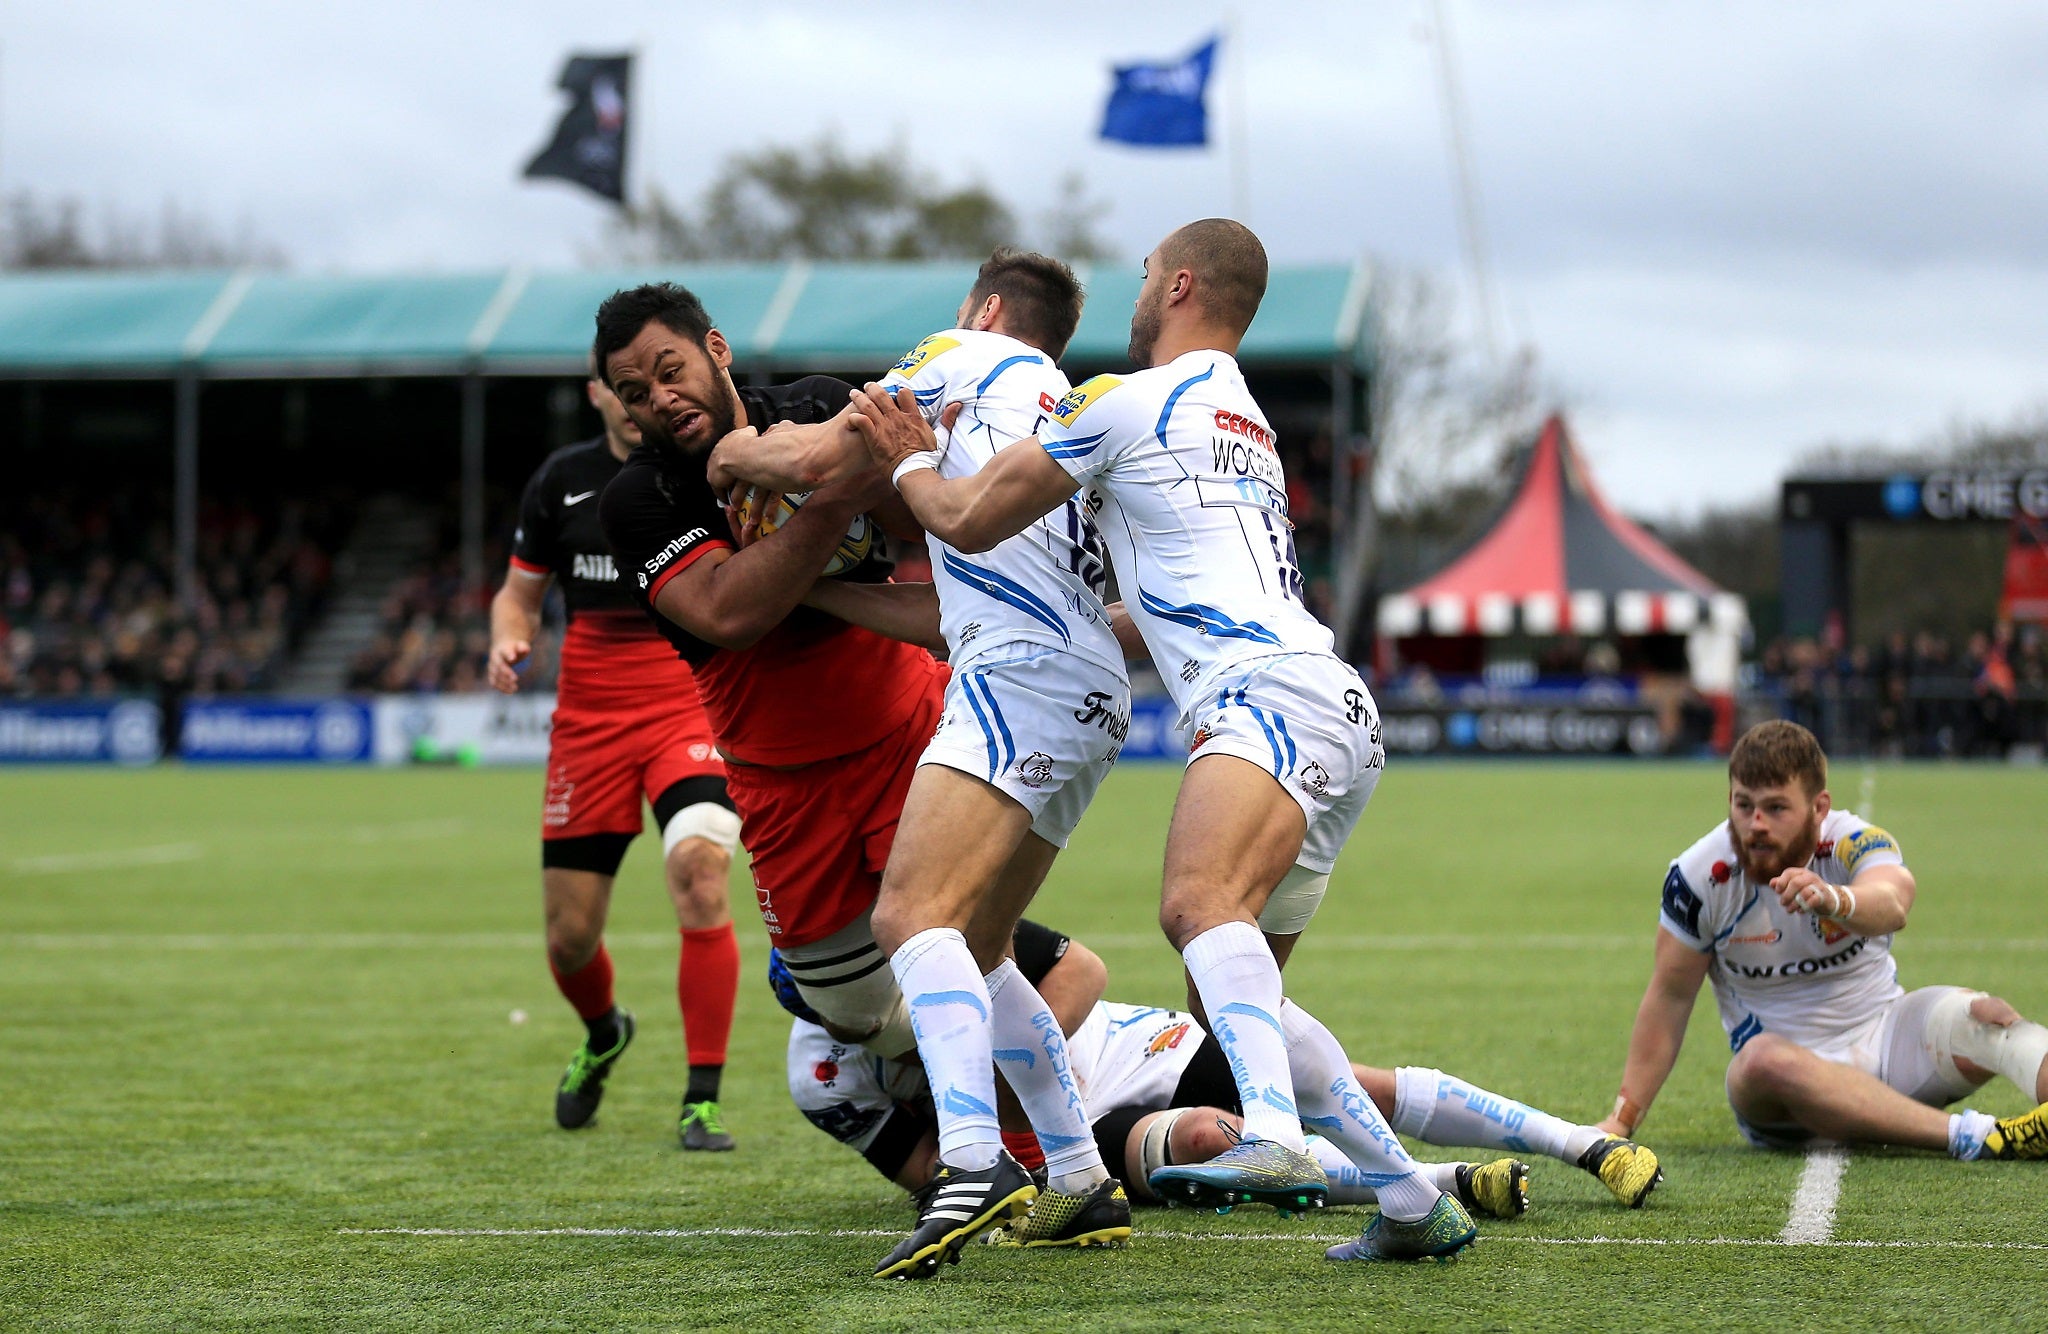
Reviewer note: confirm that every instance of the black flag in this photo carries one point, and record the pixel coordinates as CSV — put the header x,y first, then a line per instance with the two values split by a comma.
x,y
589,146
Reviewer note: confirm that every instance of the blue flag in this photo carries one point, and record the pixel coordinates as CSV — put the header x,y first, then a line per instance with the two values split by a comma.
x,y
1161,104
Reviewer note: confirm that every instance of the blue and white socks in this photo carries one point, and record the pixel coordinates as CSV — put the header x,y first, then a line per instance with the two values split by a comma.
x,y
950,1013
1032,1054
1239,983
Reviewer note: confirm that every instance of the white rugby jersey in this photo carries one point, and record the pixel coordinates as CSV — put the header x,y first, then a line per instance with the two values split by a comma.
x,y
1043,586
1178,467
1121,1056
1789,973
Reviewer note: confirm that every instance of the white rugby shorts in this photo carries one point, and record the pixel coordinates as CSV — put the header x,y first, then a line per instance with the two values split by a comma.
x,y
1894,1046
1307,719
1041,726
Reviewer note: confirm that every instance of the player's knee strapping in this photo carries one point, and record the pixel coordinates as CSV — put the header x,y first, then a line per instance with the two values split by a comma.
x,y
706,820
2015,1051
1155,1150
1291,905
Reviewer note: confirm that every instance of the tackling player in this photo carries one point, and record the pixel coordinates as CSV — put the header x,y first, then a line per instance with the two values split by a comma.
x,y
820,722
1789,906
627,726
1177,465
1036,712
1159,1092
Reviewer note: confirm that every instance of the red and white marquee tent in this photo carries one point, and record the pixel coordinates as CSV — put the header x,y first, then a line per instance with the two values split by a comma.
x,y
1560,560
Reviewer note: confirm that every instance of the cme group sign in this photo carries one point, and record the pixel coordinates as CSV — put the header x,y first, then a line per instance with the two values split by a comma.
x,y
1944,495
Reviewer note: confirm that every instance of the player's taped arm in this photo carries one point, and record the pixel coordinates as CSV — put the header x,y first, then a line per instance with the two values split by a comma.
x,y
970,514
1882,898
1659,1031
909,612
733,598
1875,902
515,620
789,457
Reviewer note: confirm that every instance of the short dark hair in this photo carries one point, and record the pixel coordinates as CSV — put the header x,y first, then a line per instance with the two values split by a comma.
x,y
1041,297
1773,754
627,311
1229,264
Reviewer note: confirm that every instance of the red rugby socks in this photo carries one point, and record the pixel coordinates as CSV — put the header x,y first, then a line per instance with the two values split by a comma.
x,y
707,982
589,988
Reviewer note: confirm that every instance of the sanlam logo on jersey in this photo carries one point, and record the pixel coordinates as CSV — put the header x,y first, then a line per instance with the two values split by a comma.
x,y
921,356
1080,396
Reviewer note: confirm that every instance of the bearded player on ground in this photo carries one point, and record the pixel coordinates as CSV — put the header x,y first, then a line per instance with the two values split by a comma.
x,y
627,727
1789,906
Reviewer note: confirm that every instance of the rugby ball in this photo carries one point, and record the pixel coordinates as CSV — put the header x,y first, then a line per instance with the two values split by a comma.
x,y
855,547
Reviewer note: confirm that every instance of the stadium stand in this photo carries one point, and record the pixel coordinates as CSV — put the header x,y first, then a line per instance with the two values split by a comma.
x,y
87,603
1916,695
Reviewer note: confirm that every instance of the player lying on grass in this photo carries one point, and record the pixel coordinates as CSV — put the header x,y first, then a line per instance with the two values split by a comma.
x,y
1159,1091
1036,712
1790,906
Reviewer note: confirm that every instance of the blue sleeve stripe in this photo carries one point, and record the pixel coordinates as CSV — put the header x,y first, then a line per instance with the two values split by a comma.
x,y
1173,401
1074,448
1004,365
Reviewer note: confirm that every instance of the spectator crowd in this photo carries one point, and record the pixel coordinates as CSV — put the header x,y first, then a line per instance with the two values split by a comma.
x,y
89,604
1915,695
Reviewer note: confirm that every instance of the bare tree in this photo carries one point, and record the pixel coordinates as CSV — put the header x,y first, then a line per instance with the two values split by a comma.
x,y
820,202
1443,422
53,234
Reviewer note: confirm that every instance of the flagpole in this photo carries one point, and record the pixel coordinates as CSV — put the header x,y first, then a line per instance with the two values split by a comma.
x,y
1469,219
1240,123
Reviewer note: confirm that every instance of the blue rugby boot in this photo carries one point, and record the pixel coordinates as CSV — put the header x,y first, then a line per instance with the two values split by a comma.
x,y
1438,1235
1251,1171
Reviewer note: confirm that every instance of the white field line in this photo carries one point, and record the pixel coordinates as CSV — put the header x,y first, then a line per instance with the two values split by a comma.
x,y
694,1233
156,854
1812,1220
508,940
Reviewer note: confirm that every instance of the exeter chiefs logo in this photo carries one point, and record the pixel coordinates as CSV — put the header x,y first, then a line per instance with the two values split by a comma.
x,y
1829,931
1314,779
1034,769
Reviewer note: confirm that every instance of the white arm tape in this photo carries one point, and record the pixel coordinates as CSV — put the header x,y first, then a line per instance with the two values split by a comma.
x,y
925,458
706,820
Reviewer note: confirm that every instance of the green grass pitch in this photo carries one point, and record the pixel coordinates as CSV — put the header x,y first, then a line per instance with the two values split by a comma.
x,y
251,1018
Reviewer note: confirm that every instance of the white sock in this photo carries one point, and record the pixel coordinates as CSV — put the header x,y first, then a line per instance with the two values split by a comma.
x,y
1443,1109
1340,1111
1348,1184
1239,984
1966,1132
1032,1054
949,1011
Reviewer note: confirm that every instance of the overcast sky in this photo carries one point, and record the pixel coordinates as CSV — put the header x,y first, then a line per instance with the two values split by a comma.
x,y
1731,231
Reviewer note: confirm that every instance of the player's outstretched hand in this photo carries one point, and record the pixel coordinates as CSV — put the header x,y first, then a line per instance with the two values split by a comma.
x,y
890,426
507,661
1800,890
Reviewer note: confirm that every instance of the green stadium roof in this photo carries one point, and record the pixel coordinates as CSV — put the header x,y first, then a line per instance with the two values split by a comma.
x,y
779,317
